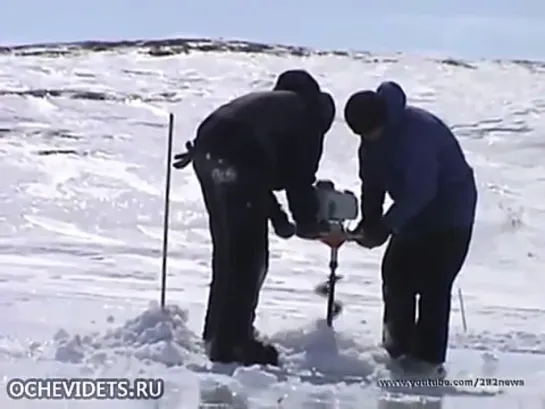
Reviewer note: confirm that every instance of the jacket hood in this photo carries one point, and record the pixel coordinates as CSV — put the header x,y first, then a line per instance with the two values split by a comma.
x,y
299,81
305,85
395,99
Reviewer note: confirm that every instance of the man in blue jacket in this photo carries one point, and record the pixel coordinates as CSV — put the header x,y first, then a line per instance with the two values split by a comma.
x,y
413,156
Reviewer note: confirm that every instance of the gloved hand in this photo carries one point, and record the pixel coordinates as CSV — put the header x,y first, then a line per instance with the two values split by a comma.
x,y
371,234
358,230
312,231
282,227
181,160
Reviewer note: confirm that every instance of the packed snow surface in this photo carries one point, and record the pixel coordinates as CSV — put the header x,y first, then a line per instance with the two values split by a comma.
x,y
83,144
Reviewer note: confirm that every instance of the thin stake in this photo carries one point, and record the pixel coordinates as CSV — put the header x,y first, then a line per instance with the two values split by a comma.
x,y
166,214
462,309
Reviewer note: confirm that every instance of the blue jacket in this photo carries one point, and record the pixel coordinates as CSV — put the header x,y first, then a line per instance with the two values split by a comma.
x,y
421,166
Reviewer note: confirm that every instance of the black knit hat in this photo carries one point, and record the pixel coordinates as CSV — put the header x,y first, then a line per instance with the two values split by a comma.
x,y
364,112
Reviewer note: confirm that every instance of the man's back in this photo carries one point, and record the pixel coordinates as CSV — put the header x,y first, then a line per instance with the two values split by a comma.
x,y
276,134
275,113
279,127
454,203
452,162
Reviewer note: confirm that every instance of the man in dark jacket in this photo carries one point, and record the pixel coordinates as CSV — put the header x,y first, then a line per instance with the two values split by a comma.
x,y
245,150
413,156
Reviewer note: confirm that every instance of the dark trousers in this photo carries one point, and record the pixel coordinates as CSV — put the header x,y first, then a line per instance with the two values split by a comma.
x,y
236,203
427,268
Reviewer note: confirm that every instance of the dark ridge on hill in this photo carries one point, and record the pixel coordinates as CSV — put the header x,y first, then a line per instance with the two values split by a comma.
x,y
166,47
174,46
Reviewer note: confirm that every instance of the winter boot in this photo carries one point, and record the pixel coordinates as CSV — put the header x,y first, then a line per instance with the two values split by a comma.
x,y
423,369
391,345
247,352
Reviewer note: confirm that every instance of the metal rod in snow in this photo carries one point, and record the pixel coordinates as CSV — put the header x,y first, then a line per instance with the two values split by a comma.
x,y
166,214
333,264
462,309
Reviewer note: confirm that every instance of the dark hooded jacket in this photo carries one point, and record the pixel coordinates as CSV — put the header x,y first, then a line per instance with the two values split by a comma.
x,y
277,134
420,164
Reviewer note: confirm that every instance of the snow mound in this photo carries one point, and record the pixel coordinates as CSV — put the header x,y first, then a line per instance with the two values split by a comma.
x,y
312,355
321,355
157,335
315,354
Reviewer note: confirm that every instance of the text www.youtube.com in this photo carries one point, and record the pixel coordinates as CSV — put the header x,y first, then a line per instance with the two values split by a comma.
x,y
85,388
441,383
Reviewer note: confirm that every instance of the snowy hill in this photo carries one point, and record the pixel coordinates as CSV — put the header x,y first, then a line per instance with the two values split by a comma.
x,y
82,145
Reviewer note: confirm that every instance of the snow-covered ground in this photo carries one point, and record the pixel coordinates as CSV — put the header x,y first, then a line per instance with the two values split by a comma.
x,y
81,201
